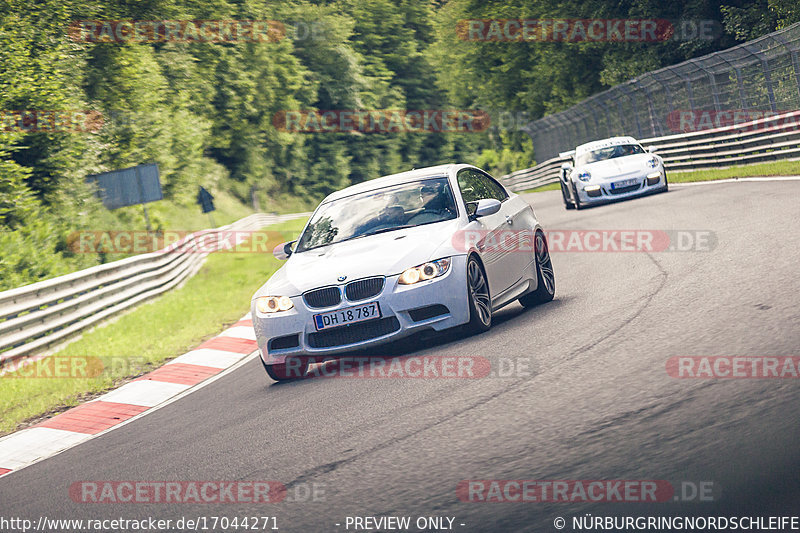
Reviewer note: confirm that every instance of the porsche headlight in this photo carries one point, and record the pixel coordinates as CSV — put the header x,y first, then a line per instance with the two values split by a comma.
x,y
652,162
584,175
427,271
273,304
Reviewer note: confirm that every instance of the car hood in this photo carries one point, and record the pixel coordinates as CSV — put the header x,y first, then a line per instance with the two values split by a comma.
x,y
619,166
383,254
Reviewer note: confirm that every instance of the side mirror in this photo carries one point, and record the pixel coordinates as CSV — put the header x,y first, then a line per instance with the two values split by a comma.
x,y
487,206
652,149
283,250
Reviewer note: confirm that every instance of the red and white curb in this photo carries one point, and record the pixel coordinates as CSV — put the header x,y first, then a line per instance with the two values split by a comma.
x,y
191,370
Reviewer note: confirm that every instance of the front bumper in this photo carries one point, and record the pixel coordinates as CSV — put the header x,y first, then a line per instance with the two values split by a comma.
x,y
598,191
405,309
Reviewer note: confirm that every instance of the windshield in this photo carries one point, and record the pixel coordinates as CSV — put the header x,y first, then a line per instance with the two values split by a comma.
x,y
378,211
609,152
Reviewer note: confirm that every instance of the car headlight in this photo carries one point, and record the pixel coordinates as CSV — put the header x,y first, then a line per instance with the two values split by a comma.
x,y
273,304
584,175
652,162
430,270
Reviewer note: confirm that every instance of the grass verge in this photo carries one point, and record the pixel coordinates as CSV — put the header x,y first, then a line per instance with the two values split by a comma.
x,y
773,168
146,337
172,216
550,187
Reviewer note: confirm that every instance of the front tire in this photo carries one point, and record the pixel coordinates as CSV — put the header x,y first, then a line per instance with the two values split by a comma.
x,y
567,203
295,369
480,303
577,202
545,277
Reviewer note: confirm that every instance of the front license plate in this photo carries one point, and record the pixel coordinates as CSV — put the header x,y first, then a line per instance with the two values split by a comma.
x,y
623,183
348,315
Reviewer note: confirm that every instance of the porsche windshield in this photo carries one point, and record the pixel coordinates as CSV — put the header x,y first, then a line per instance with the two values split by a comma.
x,y
378,211
609,152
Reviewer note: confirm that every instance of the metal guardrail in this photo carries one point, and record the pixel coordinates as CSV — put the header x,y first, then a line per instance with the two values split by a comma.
x,y
767,139
37,317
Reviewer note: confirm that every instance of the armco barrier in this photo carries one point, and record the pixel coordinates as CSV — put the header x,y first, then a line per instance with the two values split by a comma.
x,y
765,139
39,316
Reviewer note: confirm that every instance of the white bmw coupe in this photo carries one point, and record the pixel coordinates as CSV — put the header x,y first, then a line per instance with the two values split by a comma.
x,y
431,248
610,169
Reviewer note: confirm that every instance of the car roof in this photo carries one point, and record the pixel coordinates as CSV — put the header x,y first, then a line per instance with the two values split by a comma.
x,y
395,179
604,143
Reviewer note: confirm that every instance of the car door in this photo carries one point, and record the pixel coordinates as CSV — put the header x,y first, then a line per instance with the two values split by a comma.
x,y
475,186
517,238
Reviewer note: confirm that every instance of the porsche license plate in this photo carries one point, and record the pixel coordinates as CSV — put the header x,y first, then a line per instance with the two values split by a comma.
x,y
623,183
348,315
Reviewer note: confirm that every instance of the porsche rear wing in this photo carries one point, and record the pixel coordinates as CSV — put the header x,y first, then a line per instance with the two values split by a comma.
x,y
564,155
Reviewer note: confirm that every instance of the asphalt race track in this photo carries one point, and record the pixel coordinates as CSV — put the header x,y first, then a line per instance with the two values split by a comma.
x,y
592,401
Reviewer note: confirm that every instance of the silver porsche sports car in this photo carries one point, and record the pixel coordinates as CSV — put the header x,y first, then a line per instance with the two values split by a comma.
x,y
610,169
431,248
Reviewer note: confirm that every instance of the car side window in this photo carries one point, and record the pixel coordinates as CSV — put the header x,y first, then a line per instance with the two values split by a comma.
x,y
496,190
476,186
471,190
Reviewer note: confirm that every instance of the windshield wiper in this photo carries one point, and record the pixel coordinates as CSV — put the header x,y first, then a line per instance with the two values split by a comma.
x,y
384,230
374,232
313,247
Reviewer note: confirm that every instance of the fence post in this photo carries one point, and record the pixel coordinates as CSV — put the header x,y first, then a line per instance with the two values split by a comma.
x,y
768,80
793,54
634,109
796,67
740,84
688,83
650,111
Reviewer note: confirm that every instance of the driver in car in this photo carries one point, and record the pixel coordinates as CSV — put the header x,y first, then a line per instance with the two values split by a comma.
x,y
434,201
392,213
